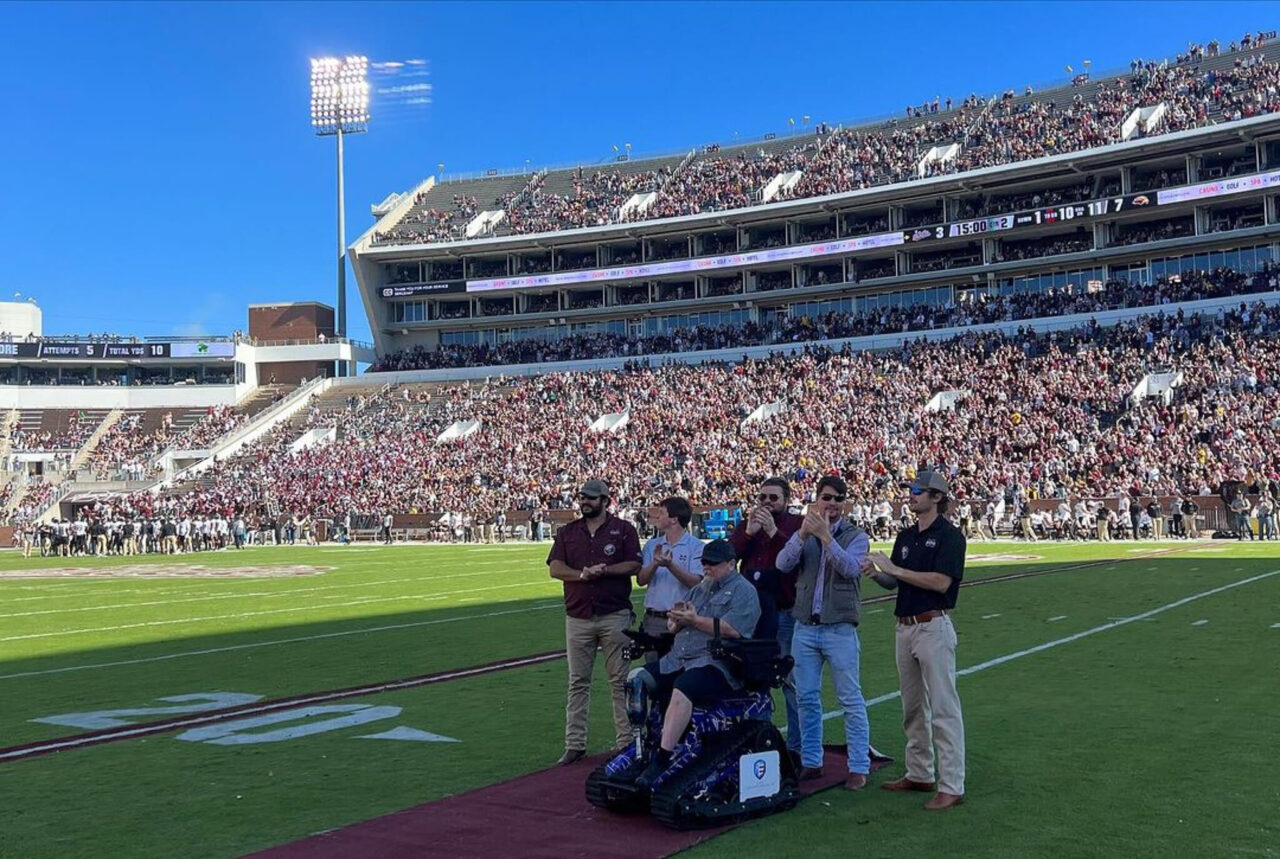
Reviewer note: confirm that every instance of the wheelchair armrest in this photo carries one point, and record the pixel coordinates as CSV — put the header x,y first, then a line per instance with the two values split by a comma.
x,y
642,643
758,663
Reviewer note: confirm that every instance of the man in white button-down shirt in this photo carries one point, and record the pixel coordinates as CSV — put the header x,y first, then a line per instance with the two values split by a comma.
x,y
671,564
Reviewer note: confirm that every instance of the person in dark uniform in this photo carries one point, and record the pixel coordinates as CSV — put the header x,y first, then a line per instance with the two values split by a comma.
x,y
926,567
595,557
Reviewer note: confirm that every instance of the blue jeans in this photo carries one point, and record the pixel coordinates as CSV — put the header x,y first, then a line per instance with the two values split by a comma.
x,y
837,645
786,630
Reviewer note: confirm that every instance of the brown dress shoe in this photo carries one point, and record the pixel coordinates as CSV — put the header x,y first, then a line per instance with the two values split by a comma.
x,y
942,801
810,773
571,756
855,781
904,784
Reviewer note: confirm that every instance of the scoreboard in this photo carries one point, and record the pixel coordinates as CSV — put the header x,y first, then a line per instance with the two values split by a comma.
x,y
1048,215
71,350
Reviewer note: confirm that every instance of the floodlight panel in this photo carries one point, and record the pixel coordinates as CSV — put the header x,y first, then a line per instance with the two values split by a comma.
x,y
339,94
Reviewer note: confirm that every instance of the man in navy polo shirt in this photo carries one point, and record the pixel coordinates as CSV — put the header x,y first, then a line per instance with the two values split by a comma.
x,y
926,567
595,557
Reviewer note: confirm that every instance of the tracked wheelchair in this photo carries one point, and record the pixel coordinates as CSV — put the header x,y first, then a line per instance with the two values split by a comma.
x,y
732,762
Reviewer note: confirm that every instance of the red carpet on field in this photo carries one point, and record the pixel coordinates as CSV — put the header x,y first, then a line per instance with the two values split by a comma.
x,y
540,814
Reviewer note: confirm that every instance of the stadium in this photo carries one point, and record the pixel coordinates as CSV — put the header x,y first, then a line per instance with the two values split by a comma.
x,y
257,601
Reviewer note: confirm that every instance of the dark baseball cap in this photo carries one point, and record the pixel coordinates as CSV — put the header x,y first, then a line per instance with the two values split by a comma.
x,y
718,551
930,480
595,487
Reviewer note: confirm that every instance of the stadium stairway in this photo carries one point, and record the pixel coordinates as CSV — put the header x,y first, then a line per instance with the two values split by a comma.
x,y
91,443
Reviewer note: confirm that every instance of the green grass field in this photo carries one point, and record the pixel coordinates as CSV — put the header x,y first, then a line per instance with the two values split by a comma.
x,y
1142,738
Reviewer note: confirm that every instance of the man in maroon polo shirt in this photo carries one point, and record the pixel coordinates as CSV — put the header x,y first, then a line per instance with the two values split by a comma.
x,y
595,557
757,540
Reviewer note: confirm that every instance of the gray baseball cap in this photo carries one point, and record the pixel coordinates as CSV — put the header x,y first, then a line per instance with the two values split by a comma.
x,y
930,480
595,487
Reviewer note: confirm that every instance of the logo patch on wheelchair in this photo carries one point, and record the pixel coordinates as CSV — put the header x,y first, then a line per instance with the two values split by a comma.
x,y
758,775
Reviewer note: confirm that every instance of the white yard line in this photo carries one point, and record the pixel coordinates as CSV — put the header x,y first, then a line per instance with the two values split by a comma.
x,y
289,610
557,603
188,587
1058,642
277,593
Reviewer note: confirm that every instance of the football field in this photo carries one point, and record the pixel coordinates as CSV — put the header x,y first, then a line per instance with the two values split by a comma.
x,y
1119,700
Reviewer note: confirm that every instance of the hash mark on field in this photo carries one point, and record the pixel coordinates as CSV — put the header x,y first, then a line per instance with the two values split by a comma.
x,y
989,616
1275,626
874,610
1058,618
1200,622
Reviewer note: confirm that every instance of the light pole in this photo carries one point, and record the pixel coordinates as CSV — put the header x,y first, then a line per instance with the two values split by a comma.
x,y
340,105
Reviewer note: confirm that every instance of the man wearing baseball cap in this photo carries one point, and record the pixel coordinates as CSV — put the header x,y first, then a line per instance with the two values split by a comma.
x,y
595,557
724,604
926,567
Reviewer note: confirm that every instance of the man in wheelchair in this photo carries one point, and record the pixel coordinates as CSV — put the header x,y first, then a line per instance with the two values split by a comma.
x,y
724,605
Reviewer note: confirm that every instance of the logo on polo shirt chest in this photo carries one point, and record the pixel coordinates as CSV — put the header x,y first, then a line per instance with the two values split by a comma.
x,y
906,550
609,549
931,543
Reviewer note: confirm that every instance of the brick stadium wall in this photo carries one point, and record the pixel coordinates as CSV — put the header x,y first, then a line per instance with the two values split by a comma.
x,y
301,321
292,372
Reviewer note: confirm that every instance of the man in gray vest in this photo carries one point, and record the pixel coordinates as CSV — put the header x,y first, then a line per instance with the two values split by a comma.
x,y
829,551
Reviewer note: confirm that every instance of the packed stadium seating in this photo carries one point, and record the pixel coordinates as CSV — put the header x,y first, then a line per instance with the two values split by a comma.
x,y
1203,89
1044,414
792,329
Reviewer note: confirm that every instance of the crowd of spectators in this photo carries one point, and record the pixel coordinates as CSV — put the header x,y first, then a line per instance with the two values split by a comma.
x,y
979,309
128,447
1003,130
1042,415
70,436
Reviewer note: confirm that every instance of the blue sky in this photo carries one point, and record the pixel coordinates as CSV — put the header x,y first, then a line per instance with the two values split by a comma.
x,y
160,174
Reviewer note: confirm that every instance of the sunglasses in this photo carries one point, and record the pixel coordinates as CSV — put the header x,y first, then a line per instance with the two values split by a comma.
x,y
767,496
582,496
828,497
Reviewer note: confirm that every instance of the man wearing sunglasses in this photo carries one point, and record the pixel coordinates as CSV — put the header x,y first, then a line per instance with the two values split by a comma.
x,y
595,557
926,568
757,540
828,552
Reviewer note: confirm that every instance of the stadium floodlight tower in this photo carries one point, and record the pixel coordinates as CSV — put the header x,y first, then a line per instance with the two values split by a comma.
x,y
340,105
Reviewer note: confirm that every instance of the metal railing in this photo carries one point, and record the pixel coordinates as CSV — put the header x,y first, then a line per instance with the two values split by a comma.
x,y
314,341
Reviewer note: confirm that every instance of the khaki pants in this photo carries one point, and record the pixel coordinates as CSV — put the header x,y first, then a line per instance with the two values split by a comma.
x,y
582,637
1027,533
926,655
1157,527
1104,530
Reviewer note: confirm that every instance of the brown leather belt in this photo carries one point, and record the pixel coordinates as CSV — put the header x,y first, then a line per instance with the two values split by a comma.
x,y
913,620
649,612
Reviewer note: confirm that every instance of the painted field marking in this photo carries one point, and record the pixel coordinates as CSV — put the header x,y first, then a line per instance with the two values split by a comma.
x,y
27,750
1199,622
558,603
1275,626
1058,618
197,590
414,624
989,616
1058,642
370,601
